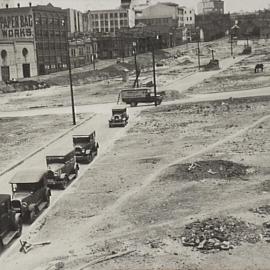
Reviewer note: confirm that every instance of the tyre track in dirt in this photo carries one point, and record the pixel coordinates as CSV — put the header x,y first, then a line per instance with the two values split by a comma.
x,y
116,206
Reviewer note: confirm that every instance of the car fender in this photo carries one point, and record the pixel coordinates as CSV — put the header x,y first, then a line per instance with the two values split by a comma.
x,y
63,176
31,207
17,218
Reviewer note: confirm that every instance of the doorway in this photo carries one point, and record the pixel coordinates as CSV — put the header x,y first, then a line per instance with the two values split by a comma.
x,y
26,70
5,73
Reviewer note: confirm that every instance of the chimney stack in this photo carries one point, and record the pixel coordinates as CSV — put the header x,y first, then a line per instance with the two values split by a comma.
x,y
30,4
18,5
6,5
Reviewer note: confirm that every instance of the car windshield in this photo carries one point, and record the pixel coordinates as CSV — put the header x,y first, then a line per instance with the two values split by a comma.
x,y
27,187
55,160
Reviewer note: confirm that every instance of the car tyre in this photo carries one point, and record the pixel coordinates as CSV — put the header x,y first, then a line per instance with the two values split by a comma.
x,y
48,201
32,216
64,184
133,104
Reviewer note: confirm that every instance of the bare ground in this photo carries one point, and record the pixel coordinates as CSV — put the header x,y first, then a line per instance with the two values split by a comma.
x,y
20,135
140,196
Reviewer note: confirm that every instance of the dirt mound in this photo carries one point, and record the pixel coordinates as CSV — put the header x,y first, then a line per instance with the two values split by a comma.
x,y
221,233
208,169
116,69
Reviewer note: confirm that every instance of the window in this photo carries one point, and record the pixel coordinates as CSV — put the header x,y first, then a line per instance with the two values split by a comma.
x,y
38,21
111,15
101,16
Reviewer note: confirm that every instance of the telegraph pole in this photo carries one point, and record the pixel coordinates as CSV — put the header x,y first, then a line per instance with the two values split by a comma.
x,y
199,52
231,44
154,71
71,85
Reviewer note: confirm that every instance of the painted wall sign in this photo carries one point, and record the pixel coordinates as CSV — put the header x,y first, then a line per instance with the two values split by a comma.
x,y
14,26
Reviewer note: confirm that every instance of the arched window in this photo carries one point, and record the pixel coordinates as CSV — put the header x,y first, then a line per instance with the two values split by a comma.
x,y
24,52
3,54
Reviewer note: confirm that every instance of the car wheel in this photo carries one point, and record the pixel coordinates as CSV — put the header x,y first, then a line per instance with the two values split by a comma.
x,y
64,184
1,246
19,228
133,104
32,216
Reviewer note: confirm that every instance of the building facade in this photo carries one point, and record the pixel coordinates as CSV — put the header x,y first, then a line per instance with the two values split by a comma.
x,y
211,6
213,26
108,21
74,21
17,43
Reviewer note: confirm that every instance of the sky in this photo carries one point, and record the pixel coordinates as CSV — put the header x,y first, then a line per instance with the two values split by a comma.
x,y
83,5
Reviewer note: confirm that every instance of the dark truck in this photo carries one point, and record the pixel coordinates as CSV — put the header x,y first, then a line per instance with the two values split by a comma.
x,y
62,168
30,193
140,95
119,117
10,221
86,147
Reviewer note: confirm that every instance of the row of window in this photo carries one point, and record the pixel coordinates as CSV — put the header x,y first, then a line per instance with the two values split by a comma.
x,y
102,16
49,33
53,22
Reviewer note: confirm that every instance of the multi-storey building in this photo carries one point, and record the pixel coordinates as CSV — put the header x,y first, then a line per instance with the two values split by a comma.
x,y
108,21
211,6
75,21
33,40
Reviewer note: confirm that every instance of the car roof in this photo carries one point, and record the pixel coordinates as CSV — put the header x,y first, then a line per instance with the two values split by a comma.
x,y
137,89
119,108
60,153
4,197
28,176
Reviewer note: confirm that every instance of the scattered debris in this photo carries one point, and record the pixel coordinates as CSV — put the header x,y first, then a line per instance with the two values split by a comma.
x,y
262,210
208,169
106,258
218,234
26,247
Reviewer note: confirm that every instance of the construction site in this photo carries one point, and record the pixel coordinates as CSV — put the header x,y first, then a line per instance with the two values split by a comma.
x,y
184,185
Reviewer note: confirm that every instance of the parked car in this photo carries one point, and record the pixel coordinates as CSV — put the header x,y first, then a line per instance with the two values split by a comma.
x,y
140,95
62,168
119,117
30,193
86,147
10,221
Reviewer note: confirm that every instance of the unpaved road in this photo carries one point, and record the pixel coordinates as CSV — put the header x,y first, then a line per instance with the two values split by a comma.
x,y
106,137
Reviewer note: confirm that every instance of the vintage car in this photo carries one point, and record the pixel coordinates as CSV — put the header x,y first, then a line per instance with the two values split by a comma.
x,y
119,117
30,193
86,147
10,221
62,169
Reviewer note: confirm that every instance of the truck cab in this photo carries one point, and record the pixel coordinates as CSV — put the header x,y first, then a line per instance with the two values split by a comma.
x,y
85,147
62,168
30,193
10,221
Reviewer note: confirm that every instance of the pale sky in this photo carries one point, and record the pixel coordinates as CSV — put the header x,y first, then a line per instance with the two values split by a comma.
x,y
83,5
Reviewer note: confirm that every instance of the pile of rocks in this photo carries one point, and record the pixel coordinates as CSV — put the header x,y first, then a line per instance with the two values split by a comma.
x,y
222,233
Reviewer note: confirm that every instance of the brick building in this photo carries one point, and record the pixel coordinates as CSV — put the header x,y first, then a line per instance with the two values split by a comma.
x,y
213,26
211,6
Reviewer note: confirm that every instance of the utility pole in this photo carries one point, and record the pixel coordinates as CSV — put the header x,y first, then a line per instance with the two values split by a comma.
x,y
199,52
231,44
212,51
154,70
71,85
136,83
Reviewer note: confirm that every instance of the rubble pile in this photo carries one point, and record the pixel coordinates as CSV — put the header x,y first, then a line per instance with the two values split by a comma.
x,y
266,235
219,234
262,210
210,169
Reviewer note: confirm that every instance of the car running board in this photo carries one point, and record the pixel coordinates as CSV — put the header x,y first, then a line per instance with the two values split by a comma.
x,y
72,176
9,237
42,206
